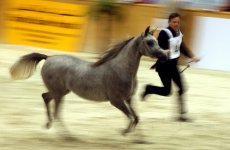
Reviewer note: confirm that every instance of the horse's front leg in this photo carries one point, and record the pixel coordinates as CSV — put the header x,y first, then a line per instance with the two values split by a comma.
x,y
136,118
129,102
120,104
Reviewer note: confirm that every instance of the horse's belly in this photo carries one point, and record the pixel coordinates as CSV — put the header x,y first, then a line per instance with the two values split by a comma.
x,y
91,95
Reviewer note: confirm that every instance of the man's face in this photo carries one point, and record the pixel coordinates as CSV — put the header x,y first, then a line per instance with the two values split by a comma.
x,y
175,23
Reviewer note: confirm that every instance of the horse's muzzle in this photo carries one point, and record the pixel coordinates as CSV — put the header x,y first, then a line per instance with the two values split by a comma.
x,y
162,55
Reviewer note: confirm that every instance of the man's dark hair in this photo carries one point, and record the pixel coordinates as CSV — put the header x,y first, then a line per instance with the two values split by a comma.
x,y
173,15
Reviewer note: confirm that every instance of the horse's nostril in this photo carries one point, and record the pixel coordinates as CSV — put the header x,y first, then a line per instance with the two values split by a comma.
x,y
150,43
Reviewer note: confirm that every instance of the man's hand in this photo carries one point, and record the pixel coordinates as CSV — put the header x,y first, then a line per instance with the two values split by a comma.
x,y
195,59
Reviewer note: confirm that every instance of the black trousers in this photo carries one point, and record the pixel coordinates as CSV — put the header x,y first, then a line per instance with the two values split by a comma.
x,y
167,72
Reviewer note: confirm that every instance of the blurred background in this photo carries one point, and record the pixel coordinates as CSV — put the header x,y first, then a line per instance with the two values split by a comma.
x,y
85,29
92,25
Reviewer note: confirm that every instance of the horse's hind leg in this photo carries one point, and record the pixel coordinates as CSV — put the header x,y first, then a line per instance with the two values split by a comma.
x,y
58,98
47,98
57,107
123,107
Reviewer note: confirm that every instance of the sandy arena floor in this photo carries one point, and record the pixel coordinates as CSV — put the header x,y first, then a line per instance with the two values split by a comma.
x,y
97,126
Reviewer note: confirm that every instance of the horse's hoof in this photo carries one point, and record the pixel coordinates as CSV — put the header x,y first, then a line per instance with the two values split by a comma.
x,y
125,132
184,119
48,125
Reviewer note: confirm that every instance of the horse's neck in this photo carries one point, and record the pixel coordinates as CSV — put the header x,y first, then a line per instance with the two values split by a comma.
x,y
129,59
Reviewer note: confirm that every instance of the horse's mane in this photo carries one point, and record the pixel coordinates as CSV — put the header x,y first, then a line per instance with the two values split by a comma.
x,y
112,52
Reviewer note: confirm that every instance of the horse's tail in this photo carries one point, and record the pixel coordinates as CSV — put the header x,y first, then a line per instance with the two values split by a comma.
x,y
26,65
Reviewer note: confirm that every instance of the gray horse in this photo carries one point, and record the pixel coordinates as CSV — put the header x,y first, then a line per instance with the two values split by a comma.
x,y
112,78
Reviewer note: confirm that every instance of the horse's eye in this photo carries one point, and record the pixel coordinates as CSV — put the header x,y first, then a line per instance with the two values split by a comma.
x,y
150,43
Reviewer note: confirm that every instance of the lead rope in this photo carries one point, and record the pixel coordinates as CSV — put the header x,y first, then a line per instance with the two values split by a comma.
x,y
187,66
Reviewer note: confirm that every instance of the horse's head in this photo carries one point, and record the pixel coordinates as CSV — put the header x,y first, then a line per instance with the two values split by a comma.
x,y
149,45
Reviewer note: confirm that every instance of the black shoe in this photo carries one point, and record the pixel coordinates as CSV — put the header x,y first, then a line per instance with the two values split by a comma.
x,y
143,95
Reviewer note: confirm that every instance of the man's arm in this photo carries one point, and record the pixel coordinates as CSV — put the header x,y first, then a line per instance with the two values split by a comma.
x,y
185,50
188,53
163,40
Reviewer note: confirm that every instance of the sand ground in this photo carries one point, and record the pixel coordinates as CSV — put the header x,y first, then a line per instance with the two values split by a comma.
x,y
97,126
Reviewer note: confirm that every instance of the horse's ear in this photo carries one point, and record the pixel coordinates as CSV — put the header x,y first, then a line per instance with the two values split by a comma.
x,y
152,31
147,30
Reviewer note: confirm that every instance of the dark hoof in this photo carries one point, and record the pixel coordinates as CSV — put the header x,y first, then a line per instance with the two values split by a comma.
x,y
131,127
125,132
184,119
48,125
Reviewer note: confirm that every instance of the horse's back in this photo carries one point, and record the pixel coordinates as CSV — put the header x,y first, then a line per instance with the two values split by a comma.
x,y
60,64
57,67
66,60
